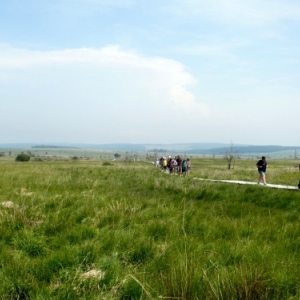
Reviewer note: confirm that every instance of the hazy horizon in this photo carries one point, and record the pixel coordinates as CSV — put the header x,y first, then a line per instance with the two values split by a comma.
x,y
199,144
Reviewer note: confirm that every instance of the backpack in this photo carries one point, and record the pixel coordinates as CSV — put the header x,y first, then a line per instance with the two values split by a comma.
x,y
184,164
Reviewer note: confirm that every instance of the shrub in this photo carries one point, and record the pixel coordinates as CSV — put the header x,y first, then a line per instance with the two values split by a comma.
x,y
22,157
38,159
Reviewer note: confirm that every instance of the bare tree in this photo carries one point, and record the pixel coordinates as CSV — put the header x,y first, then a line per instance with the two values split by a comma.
x,y
126,156
135,156
296,154
230,155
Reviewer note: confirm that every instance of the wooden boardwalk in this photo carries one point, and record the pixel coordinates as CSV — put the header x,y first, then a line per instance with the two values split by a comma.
x,y
274,186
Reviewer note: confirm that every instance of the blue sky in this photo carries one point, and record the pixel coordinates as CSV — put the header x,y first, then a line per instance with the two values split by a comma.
x,y
181,71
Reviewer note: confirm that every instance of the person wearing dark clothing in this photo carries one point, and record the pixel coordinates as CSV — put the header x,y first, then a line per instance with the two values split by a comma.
x,y
184,167
262,168
179,165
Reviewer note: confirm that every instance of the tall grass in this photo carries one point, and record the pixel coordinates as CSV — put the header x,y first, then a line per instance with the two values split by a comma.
x,y
88,230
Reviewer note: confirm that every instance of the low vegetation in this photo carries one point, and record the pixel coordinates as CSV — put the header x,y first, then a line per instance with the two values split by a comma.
x,y
81,230
22,157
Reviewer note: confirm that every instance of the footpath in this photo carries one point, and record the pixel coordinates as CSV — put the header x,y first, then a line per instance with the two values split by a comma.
x,y
274,186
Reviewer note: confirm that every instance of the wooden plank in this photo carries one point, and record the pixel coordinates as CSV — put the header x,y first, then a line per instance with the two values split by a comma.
x,y
274,186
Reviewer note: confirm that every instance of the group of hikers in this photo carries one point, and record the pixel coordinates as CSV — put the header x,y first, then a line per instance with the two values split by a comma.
x,y
174,165
179,166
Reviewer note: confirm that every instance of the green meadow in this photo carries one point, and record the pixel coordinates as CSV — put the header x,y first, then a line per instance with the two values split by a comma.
x,y
102,229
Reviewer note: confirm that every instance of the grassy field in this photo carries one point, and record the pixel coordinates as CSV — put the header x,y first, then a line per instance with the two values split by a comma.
x,y
124,230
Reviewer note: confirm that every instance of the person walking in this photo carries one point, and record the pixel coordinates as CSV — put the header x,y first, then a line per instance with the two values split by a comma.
x,y
171,167
164,164
189,166
184,167
175,169
179,165
262,168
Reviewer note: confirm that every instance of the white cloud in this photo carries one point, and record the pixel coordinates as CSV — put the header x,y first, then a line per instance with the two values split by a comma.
x,y
134,94
182,99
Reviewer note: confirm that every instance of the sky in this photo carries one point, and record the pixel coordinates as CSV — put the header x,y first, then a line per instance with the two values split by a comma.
x,y
160,71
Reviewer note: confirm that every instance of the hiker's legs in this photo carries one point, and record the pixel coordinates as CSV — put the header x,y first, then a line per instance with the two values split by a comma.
x,y
179,170
262,177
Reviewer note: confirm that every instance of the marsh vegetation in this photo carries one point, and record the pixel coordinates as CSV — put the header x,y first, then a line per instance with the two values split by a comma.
x,y
124,230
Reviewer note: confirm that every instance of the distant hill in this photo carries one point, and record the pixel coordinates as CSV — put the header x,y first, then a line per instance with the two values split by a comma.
x,y
52,146
187,148
119,146
244,149
16,145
